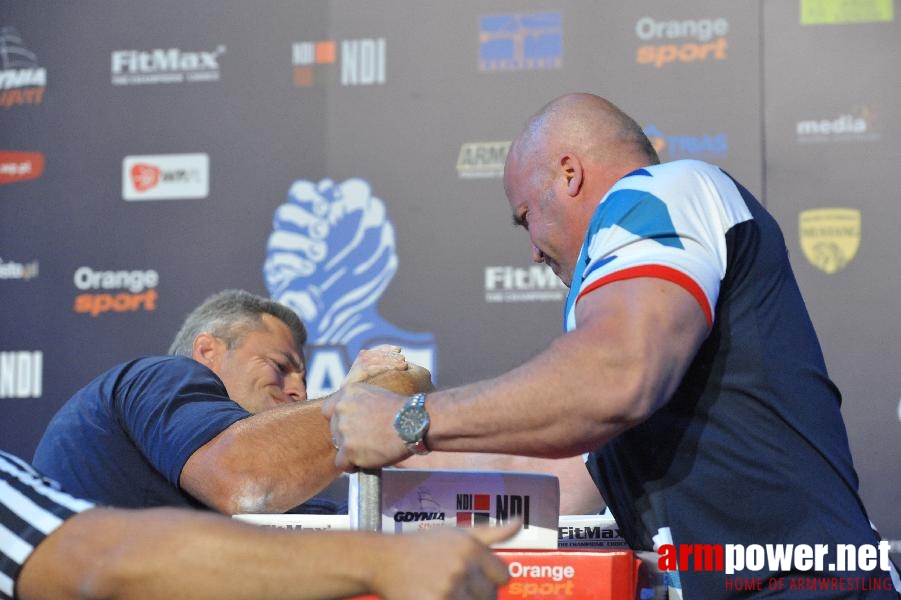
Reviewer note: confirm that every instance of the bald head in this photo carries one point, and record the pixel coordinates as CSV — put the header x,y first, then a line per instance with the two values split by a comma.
x,y
589,126
562,165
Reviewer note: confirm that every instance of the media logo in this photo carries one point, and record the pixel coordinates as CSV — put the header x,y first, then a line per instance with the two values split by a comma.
x,y
475,509
21,374
359,62
830,237
536,283
479,160
15,270
860,124
122,291
330,257
834,12
166,177
518,42
685,41
22,80
173,65
20,166
706,146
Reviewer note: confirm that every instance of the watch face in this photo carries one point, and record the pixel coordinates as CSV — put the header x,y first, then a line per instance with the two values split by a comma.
x,y
411,423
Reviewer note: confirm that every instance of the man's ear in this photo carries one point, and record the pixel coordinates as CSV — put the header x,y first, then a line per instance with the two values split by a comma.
x,y
207,349
572,169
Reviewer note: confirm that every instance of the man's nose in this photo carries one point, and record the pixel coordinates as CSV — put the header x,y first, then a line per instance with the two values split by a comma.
x,y
537,255
294,387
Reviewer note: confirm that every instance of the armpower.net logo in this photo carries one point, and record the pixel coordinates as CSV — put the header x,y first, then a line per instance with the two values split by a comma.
x,y
842,565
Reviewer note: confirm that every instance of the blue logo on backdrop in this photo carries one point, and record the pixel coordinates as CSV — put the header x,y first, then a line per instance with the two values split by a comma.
x,y
517,42
330,257
700,147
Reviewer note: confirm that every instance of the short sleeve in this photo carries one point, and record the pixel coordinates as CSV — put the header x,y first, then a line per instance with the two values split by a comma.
x,y
172,407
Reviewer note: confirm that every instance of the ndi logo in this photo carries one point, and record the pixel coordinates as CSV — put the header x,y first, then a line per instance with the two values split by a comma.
x,y
475,509
517,42
360,61
21,374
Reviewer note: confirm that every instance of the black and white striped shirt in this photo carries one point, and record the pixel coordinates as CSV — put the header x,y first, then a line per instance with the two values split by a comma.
x,y
31,507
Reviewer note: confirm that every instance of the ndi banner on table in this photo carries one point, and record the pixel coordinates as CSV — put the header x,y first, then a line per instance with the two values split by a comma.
x,y
345,157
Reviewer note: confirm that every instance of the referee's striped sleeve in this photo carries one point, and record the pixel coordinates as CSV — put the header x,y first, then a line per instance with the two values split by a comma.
x,y
31,507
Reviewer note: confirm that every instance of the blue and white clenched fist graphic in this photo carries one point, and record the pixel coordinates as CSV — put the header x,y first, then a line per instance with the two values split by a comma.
x,y
330,257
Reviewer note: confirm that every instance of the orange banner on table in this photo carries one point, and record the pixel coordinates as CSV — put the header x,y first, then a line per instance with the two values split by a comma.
x,y
570,575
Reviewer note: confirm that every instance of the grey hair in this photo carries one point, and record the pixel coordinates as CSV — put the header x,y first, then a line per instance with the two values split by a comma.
x,y
230,314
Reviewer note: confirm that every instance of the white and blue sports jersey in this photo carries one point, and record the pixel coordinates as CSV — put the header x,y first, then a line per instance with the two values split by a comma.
x,y
751,448
31,508
642,230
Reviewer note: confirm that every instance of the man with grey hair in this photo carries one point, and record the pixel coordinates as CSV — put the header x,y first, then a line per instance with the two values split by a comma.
x,y
221,422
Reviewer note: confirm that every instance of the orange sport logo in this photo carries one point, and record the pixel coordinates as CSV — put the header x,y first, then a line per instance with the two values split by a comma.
x,y
686,41
115,291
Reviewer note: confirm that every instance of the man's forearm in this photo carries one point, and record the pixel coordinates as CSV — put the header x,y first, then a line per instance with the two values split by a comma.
x,y
172,553
279,458
269,462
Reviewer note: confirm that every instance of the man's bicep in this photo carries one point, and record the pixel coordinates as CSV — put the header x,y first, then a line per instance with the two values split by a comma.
x,y
656,325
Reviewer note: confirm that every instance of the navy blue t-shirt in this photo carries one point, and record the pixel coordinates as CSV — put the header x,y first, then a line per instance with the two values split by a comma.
x,y
751,449
123,439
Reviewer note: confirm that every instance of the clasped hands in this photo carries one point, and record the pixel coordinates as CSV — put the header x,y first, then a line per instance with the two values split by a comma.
x,y
361,413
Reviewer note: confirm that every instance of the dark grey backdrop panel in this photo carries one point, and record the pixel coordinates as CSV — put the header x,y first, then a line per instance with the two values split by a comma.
x,y
832,142
248,123
417,100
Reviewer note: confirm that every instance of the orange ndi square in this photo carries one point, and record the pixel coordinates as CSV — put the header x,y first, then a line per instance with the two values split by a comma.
x,y
325,52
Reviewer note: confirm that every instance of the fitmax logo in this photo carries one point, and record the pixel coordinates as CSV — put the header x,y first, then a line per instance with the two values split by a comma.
x,y
536,283
173,65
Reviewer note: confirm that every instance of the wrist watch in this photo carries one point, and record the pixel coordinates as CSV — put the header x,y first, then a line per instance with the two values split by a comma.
x,y
412,423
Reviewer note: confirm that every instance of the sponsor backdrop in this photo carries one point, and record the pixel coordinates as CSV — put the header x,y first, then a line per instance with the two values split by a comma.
x,y
345,158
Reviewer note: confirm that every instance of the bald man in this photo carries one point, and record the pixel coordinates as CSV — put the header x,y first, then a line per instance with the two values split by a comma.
x,y
689,372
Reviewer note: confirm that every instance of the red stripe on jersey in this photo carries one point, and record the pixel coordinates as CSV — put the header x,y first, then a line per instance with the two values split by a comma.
x,y
657,272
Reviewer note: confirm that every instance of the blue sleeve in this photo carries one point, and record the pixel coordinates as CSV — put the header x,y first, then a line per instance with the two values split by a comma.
x,y
171,407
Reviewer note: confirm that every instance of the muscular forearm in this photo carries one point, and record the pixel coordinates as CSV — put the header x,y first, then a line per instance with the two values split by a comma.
x,y
277,459
170,553
269,462
588,386
563,402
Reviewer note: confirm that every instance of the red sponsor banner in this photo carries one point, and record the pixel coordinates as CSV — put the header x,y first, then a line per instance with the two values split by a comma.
x,y
570,575
20,166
